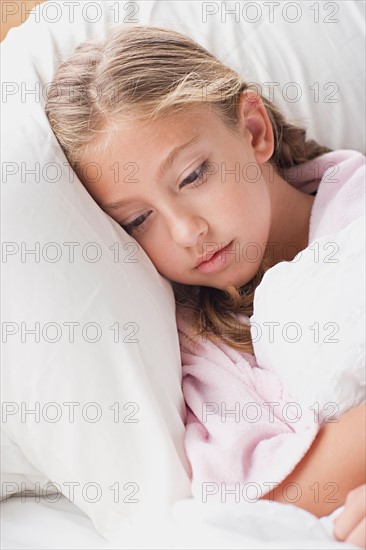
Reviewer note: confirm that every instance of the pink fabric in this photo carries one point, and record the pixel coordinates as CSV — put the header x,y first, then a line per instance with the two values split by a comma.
x,y
241,429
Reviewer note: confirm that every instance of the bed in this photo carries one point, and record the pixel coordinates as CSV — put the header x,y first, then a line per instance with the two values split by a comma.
x,y
92,439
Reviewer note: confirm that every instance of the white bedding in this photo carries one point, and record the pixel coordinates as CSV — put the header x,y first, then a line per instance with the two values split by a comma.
x,y
62,525
260,526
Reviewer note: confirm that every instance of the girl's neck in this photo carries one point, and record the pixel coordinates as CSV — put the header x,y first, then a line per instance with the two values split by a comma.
x,y
290,223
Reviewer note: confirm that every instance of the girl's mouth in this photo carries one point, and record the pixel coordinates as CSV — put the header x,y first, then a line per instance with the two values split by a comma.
x,y
217,261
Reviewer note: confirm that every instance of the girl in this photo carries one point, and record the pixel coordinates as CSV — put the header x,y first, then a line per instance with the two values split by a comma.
x,y
195,164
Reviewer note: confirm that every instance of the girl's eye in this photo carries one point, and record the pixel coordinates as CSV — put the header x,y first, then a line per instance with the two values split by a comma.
x,y
139,223
136,225
202,172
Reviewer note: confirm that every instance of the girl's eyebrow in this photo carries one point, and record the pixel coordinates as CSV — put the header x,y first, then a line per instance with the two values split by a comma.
x,y
164,167
172,157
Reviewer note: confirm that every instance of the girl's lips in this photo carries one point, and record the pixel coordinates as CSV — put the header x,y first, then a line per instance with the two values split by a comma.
x,y
217,262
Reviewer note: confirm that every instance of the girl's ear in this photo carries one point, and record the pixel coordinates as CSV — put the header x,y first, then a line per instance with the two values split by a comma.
x,y
256,125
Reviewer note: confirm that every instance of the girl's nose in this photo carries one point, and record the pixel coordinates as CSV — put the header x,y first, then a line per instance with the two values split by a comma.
x,y
186,229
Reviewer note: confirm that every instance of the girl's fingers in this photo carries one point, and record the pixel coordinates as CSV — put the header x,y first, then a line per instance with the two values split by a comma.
x,y
358,535
354,511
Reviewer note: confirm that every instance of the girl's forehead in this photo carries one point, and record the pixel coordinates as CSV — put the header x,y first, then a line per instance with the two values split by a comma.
x,y
183,113
197,116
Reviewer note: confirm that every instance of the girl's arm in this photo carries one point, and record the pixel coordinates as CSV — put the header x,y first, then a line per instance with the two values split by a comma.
x,y
334,465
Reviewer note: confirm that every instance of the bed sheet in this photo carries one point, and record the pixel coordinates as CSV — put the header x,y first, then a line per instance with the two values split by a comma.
x,y
28,524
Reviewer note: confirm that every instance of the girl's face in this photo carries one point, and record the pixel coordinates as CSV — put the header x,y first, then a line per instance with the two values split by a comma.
x,y
182,207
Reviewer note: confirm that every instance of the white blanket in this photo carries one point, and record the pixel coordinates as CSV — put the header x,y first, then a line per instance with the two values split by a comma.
x,y
317,310
260,526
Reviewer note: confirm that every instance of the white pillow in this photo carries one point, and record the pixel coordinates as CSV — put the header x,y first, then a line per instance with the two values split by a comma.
x,y
313,339
51,206
124,355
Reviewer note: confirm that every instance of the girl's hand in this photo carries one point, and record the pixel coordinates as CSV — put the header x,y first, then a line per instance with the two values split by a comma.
x,y
350,524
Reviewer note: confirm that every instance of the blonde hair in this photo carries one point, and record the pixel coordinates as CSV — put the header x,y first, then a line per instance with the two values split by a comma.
x,y
141,73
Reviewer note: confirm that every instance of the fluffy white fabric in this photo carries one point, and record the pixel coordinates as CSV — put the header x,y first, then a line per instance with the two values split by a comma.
x,y
309,322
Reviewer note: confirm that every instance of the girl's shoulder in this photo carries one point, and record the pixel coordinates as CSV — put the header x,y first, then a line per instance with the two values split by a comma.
x,y
340,195
308,176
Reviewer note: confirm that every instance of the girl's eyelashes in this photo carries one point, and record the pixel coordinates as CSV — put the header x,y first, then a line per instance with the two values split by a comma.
x,y
202,171
139,223
136,225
